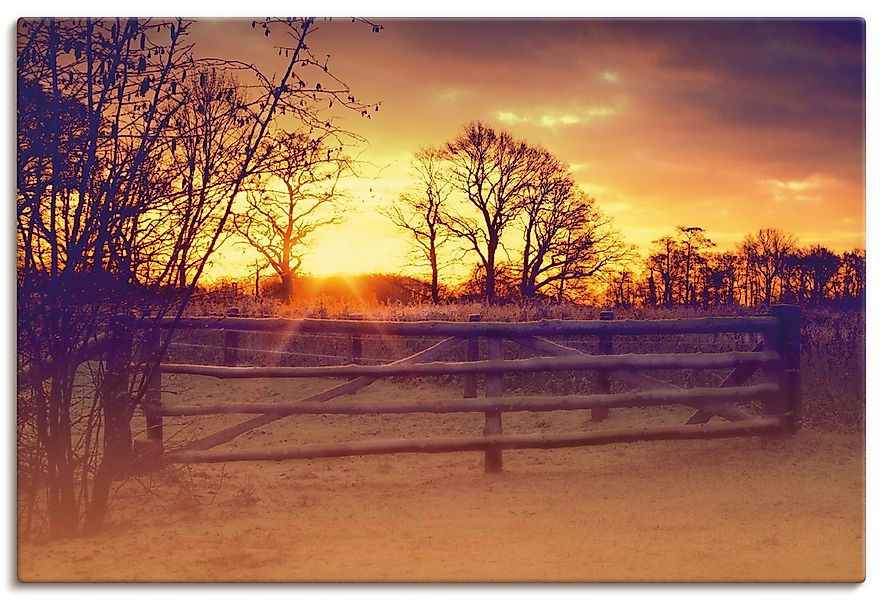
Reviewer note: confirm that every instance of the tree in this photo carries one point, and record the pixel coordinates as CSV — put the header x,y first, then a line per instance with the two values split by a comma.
x,y
723,271
820,266
567,239
96,98
491,169
584,247
475,286
622,291
665,262
693,241
852,276
767,252
210,135
548,213
117,214
294,194
421,213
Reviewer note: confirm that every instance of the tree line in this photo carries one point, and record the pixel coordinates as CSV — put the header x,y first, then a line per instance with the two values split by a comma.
x,y
767,267
516,212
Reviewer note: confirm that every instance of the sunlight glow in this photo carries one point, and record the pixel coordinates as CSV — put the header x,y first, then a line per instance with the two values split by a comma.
x,y
649,130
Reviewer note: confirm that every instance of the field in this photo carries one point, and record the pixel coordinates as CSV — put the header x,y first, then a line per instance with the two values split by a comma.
x,y
714,510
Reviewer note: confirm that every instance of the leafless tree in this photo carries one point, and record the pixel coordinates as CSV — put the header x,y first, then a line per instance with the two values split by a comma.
x,y
116,176
852,276
491,169
421,214
548,215
566,237
817,268
294,193
766,253
622,290
723,280
665,262
693,242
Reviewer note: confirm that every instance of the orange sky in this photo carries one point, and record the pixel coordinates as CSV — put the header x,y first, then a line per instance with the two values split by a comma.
x,y
728,125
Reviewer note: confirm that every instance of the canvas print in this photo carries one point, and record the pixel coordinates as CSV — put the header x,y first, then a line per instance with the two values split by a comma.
x,y
440,300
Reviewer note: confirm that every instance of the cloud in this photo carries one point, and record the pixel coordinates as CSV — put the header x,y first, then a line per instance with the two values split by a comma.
x,y
510,117
556,120
791,186
452,94
552,118
809,189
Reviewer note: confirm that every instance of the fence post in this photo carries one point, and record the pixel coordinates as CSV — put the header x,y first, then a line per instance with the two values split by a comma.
x,y
231,341
355,347
787,343
150,357
470,381
493,419
118,407
356,343
602,380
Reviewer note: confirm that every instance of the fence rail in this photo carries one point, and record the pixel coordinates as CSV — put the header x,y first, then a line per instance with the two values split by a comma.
x,y
527,365
690,397
488,443
480,328
776,358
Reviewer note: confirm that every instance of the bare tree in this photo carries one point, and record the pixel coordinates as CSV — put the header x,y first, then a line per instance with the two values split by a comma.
x,y
491,169
549,215
96,99
852,276
566,237
103,129
766,252
693,242
665,262
622,291
819,265
723,268
295,193
209,137
420,213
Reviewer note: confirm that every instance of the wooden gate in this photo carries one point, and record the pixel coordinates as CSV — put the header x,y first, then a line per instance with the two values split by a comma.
x,y
777,356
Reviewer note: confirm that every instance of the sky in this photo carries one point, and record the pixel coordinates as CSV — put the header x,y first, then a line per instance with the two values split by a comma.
x,y
729,125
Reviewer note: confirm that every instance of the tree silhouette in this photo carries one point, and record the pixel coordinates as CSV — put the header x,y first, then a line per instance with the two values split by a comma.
x,y
820,265
292,195
665,262
421,212
766,253
852,276
206,140
132,153
723,269
491,169
566,237
693,242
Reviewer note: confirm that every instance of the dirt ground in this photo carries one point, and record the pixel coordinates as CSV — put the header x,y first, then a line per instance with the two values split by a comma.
x,y
719,510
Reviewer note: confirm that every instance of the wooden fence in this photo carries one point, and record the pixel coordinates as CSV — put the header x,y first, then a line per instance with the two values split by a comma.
x,y
777,356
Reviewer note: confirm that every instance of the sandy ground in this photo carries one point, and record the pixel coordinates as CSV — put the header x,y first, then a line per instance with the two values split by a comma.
x,y
724,510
